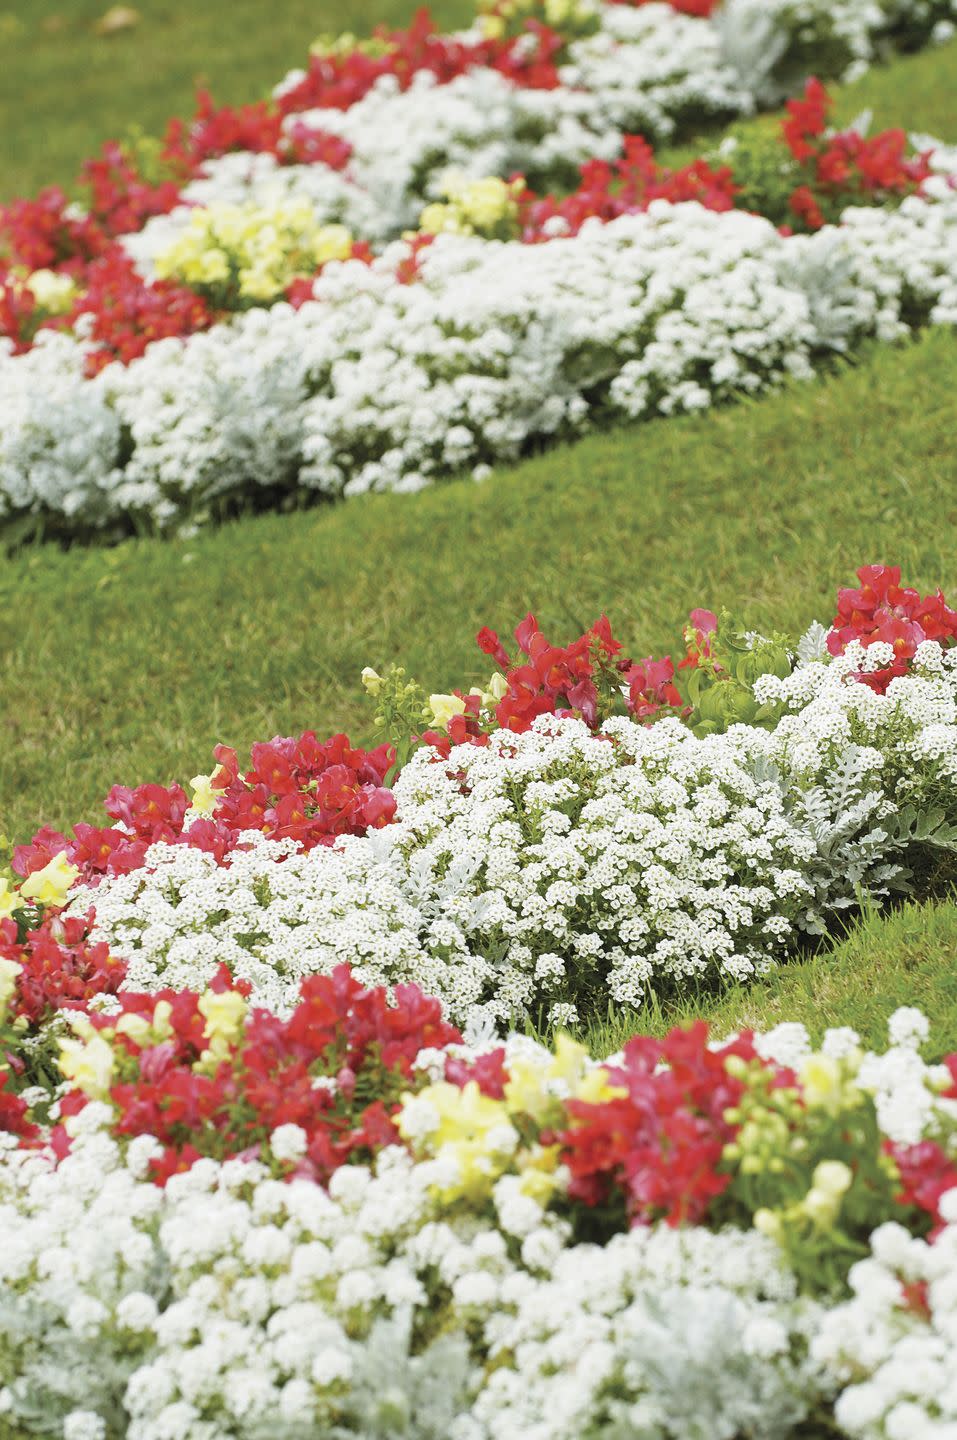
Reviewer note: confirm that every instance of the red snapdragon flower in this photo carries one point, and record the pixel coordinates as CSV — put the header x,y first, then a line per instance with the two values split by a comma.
x,y
13,1113
699,634
626,187
305,789
127,313
847,165
338,81
555,679
257,127
927,1173
61,968
48,234
884,610
45,845
120,200
651,688
18,311
806,119
658,1146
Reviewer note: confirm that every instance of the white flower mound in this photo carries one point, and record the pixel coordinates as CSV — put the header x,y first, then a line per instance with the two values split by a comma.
x,y
384,386
551,871
230,1303
274,916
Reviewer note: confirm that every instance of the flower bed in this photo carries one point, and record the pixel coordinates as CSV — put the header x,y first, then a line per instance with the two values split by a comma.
x,y
692,1239
247,1190
586,828
131,391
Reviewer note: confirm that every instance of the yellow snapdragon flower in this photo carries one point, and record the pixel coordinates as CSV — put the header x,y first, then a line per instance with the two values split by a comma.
x,y
9,899
536,1088
205,794
444,707
497,689
89,1063
569,17
53,292
829,1184
827,1083
486,206
50,885
9,973
253,251
225,1013
144,1032
472,1133
332,242
348,44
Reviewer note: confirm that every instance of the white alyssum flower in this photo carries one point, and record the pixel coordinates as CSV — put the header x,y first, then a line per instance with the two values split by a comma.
x,y
260,1304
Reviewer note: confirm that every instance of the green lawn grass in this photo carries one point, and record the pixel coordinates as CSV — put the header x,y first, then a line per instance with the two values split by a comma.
x,y
130,663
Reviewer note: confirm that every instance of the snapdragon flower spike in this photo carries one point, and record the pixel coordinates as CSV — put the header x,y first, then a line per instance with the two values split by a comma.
x,y
256,127
120,200
151,812
651,688
144,815
927,1172
18,312
556,679
301,789
46,233
698,635
46,844
337,1068
882,610
14,1113
60,967
845,166
305,789
50,233
337,81
659,1144
126,313
806,120
626,186
488,1070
